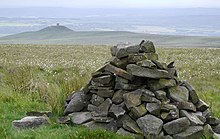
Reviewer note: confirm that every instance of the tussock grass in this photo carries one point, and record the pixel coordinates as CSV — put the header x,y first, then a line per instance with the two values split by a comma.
x,y
40,77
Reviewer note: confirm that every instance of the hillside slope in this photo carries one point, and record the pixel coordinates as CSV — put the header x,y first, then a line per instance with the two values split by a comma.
x,y
64,35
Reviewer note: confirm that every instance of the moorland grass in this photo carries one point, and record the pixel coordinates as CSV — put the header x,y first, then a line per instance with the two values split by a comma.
x,y
40,77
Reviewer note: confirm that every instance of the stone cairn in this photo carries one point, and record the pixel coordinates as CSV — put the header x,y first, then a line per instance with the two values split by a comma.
x,y
136,95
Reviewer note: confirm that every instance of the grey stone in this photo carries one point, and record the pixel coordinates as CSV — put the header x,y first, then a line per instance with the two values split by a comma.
x,y
201,105
30,122
207,131
168,137
64,120
212,121
118,96
150,125
130,124
207,113
123,86
97,100
162,96
146,64
39,113
169,112
119,72
103,119
106,126
101,110
132,99
80,117
139,111
193,132
116,111
153,108
147,46
121,63
123,132
194,120
121,80
186,106
176,126
173,72
147,72
106,93
178,93
192,93
123,50
77,103
216,129
159,65
133,58
161,84
148,96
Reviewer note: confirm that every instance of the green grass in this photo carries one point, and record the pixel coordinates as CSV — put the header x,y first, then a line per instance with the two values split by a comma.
x,y
40,77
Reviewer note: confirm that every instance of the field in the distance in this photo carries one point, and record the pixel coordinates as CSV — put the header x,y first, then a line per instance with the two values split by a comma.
x,y
39,77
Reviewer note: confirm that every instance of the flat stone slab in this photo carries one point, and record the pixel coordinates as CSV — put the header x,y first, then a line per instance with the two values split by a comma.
x,y
132,99
147,72
176,126
80,117
194,120
111,126
30,122
193,132
150,125
178,94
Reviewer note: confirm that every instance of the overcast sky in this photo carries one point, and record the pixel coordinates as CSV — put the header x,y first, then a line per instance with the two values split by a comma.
x,y
112,3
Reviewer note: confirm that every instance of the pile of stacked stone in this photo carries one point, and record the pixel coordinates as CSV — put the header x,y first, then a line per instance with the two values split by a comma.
x,y
136,95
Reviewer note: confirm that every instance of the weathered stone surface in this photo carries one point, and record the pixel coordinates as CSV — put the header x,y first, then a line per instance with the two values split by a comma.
x,y
123,132
121,63
121,80
186,106
148,96
118,96
39,113
201,105
30,122
106,126
80,117
130,125
207,113
147,72
168,137
162,96
103,119
216,129
150,125
105,80
97,100
176,126
123,86
133,58
207,130
146,64
192,93
64,120
173,72
169,112
123,50
77,103
212,121
161,84
153,108
116,111
194,120
119,72
132,99
101,110
106,93
139,111
159,65
147,46
178,93
193,132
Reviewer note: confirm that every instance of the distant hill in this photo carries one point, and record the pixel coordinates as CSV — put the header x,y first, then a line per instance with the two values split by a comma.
x,y
63,35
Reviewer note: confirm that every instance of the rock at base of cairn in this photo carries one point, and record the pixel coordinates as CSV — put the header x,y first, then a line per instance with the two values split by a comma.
x,y
136,95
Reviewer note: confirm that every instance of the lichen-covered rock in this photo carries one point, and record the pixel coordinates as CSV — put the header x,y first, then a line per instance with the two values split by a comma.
x,y
111,126
178,94
192,93
147,72
176,126
116,111
30,122
147,46
201,105
97,100
153,108
139,111
150,125
118,96
77,103
132,99
193,132
194,120
80,117
130,125
161,84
